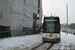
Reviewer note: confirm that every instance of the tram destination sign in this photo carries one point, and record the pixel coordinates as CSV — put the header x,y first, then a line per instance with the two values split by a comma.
x,y
50,20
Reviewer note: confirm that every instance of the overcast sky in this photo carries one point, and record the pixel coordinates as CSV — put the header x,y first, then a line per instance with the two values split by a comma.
x,y
59,8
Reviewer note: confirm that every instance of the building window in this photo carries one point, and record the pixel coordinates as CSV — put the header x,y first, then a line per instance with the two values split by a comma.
x,y
38,11
25,29
38,6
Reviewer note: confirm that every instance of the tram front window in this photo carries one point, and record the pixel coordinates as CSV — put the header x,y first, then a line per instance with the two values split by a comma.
x,y
51,27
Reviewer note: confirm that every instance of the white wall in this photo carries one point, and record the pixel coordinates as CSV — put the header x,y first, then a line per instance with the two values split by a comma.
x,y
18,14
5,7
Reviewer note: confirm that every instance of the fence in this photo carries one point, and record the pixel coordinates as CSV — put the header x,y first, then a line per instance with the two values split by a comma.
x,y
72,31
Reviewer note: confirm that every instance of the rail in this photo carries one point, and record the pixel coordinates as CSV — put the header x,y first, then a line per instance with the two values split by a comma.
x,y
41,46
72,31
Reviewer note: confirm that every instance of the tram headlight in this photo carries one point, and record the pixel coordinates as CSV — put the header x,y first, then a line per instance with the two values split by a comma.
x,y
44,35
57,35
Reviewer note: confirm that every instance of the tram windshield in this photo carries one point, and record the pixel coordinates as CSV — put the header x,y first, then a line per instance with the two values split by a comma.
x,y
51,26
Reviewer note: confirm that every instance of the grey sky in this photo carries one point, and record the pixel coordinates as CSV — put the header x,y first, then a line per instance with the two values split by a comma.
x,y
59,8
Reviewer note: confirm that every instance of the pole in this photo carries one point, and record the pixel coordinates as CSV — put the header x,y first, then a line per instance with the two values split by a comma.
x,y
54,14
51,14
51,8
67,16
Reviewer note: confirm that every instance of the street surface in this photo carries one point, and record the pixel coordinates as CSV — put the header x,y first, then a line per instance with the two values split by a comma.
x,y
25,42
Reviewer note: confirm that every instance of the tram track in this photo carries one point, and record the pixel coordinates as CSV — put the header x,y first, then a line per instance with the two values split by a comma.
x,y
50,46
41,46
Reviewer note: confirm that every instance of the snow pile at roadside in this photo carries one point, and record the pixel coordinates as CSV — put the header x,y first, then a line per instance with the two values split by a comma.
x,y
19,42
67,42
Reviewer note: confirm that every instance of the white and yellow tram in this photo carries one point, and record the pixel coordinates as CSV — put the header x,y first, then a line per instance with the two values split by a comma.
x,y
51,29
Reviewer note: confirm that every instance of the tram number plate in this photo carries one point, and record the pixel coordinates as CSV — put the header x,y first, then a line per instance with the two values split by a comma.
x,y
50,35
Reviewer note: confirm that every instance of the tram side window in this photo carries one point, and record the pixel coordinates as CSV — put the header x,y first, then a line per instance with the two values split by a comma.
x,y
57,28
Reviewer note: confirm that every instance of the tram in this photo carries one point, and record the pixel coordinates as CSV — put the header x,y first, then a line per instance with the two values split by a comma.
x,y
51,29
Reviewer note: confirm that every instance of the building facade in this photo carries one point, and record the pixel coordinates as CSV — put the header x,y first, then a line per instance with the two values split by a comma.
x,y
20,17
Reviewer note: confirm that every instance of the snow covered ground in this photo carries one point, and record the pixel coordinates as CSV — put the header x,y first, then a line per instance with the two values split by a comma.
x,y
23,42
19,43
67,42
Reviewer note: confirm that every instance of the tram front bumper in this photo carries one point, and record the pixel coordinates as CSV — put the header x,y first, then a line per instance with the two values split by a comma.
x,y
51,40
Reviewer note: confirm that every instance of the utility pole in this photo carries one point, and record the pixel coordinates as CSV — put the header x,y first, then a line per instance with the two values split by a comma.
x,y
67,16
54,14
51,14
51,8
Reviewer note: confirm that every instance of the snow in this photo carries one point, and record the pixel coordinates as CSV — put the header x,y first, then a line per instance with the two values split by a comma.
x,y
23,42
19,42
67,42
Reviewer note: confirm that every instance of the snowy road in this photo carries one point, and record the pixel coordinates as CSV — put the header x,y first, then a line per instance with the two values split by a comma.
x,y
67,42
24,42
